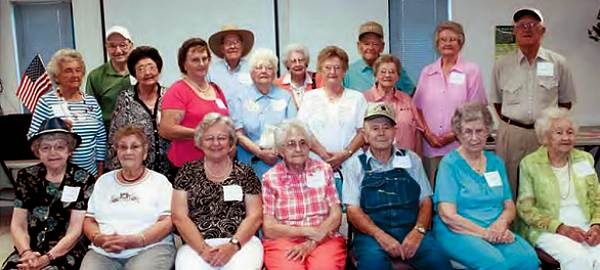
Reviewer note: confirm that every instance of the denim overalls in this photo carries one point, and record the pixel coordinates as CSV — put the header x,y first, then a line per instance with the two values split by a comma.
x,y
391,200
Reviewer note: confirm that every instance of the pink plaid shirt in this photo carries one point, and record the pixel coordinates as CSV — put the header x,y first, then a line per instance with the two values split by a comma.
x,y
289,198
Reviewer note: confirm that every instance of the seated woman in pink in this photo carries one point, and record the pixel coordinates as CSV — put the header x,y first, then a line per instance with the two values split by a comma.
x,y
387,70
301,209
187,101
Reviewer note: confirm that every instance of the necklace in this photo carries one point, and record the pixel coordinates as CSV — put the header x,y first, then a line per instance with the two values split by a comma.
x,y
563,197
197,86
134,179
217,177
477,165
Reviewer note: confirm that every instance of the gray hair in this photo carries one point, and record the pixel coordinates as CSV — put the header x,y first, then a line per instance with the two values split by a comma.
x,y
547,116
61,56
295,47
286,127
211,119
469,112
71,141
262,56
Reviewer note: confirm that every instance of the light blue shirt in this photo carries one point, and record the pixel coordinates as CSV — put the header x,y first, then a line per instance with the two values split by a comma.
x,y
355,173
360,77
231,81
457,183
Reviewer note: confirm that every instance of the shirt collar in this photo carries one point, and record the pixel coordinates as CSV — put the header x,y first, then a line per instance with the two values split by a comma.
x,y
363,67
395,152
542,54
379,96
287,79
256,94
437,66
111,70
238,68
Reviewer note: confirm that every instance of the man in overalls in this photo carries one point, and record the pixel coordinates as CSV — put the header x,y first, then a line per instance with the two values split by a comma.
x,y
387,195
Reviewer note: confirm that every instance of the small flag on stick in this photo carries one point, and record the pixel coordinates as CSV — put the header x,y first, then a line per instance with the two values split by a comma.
x,y
34,84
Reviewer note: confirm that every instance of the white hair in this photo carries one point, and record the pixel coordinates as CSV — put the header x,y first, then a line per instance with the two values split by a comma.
x,y
286,127
544,122
295,47
61,56
263,56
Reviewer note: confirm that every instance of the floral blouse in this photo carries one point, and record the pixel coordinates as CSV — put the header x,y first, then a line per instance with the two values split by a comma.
x,y
131,110
49,211
215,217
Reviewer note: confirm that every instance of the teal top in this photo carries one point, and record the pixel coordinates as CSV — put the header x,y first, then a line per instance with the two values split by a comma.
x,y
360,77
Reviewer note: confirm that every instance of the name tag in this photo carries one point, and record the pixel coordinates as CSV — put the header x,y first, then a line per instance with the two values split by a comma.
x,y
316,179
70,194
493,179
251,106
457,78
220,103
232,193
61,110
583,168
545,69
402,162
278,105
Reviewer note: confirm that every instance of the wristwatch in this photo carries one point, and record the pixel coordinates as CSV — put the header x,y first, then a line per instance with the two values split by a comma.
x,y
420,229
236,242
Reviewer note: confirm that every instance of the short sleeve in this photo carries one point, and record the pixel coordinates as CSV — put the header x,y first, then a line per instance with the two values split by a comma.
x,y
163,203
269,194
419,91
250,182
235,108
185,177
418,173
405,83
352,180
291,110
22,190
330,189
476,90
361,109
495,91
86,189
566,87
174,97
446,187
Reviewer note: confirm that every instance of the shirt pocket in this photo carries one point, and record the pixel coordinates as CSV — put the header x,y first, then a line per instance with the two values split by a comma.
x,y
548,83
512,92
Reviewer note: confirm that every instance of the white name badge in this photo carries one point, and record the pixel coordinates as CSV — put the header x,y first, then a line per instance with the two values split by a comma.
x,y
251,106
457,78
220,103
278,105
402,162
232,193
583,168
316,179
61,110
493,179
132,80
545,69
70,194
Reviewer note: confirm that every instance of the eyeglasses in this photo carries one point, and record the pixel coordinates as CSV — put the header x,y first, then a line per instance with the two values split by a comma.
x,y
114,46
332,68
468,133
149,67
449,39
293,145
133,147
46,148
218,138
370,44
232,43
526,26
297,60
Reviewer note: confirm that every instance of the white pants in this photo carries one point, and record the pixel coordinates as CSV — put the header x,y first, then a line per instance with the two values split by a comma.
x,y
570,254
249,257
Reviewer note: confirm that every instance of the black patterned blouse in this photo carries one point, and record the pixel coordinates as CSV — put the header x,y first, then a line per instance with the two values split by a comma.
x,y
215,217
47,216
131,110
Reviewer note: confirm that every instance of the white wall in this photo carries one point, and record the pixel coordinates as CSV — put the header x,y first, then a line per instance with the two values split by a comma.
x,y
566,23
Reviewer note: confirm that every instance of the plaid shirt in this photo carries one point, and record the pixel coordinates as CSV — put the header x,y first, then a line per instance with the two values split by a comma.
x,y
288,197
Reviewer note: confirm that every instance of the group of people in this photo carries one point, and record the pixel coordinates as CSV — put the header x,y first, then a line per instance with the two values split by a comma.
x,y
251,170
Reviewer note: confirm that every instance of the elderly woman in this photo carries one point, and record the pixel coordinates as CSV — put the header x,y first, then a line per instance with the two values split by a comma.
x,y
50,203
187,101
444,86
139,105
301,208
80,111
128,224
332,113
257,109
217,207
474,202
387,70
559,195
298,80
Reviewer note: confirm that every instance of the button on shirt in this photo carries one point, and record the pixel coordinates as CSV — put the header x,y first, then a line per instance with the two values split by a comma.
x,y
230,81
524,90
438,97
355,173
105,84
289,197
360,77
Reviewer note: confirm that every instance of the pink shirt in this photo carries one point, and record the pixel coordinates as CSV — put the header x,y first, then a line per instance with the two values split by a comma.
x,y
438,97
181,97
407,124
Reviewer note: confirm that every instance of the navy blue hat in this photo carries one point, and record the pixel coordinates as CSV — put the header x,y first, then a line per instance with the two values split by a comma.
x,y
55,125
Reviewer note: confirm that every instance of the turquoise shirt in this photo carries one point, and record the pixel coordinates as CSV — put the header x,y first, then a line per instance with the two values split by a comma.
x,y
360,77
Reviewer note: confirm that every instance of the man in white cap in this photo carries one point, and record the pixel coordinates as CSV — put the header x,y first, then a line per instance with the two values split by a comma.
x,y
108,80
231,71
525,81
370,45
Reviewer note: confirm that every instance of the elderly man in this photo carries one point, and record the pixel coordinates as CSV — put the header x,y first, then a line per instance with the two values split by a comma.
x,y
525,82
370,45
231,72
107,81
389,200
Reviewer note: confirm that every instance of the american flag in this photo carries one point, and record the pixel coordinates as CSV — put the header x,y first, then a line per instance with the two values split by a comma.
x,y
34,84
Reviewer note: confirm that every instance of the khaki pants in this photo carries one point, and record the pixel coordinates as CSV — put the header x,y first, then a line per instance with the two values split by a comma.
x,y
512,144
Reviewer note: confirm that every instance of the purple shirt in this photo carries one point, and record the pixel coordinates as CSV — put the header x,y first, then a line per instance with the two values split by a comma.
x,y
438,97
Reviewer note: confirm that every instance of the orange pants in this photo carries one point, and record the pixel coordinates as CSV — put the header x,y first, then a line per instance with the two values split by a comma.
x,y
330,254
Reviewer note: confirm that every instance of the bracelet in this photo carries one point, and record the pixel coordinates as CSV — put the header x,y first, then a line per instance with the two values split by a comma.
x,y
23,252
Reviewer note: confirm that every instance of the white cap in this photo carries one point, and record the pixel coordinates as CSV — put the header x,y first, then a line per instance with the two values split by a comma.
x,y
528,11
119,30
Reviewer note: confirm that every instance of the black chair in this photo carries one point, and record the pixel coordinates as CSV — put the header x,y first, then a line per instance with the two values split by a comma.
x,y
14,140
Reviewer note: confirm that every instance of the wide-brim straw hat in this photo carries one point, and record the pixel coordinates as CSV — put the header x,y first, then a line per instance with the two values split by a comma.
x,y
215,41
